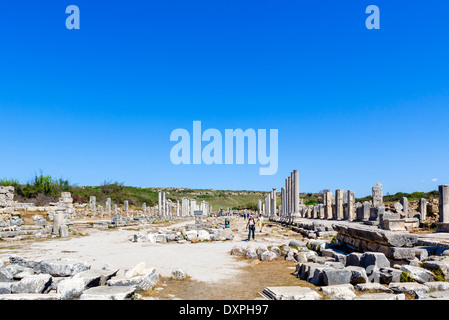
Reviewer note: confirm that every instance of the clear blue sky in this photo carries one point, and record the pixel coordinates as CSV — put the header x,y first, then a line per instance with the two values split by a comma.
x,y
353,106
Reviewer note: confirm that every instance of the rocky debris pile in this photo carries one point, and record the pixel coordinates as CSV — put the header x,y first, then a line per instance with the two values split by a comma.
x,y
314,230
395,245
192,233
6,200
268,253
71,279
369,271
12,228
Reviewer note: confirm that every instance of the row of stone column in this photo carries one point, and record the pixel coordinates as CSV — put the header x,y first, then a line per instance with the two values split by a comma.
x,y
187,208
290,206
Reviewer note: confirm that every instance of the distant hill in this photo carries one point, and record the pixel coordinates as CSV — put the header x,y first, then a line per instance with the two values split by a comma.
x,y
44,189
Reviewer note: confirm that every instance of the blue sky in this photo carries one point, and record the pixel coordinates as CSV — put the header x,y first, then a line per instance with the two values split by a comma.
x,y
353,106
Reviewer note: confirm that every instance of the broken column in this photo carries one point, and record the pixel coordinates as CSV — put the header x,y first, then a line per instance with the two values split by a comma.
x,y
377,195
93,205
108,206
366,211
351,206
422,208
404,202
443,223
328,197
339,204
273,203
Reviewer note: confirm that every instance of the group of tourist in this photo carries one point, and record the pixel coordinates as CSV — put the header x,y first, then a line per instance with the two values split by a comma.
x,y
251,225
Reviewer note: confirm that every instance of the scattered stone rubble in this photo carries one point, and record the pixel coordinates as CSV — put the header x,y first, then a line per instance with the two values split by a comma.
x,y
339,271
70,279
213,229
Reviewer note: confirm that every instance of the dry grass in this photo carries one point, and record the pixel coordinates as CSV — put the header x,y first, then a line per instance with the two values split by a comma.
x,y
248,285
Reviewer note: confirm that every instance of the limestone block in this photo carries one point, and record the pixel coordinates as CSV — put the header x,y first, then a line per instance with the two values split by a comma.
x,y
237,250
71,288
336,276
268,256
380,296
108,293
30,296
437,285
373,287
290,293
179,274
376,259
387,275
6,287
141,282
251,253
94,277
408,287
421,275
353,259
40,283
61,267
358,275
437,265
339,291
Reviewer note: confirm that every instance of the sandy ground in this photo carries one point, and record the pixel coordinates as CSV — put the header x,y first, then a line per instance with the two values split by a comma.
x,y
206,261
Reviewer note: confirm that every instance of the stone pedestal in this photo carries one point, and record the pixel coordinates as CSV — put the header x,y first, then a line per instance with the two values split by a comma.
x,y
394,224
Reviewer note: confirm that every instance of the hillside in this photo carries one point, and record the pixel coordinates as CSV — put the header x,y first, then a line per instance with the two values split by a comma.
x,y
45,189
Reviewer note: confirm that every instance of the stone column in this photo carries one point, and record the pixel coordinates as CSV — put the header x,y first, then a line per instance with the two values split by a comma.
x,y
404,202
108,206
177,208
159,203
287,204
164,205
273,203
366,211
93,205
351,206
114,208
443,224
282,214
290,198
100,210
339,204
422,207
321,211
125,208
58,222
144,209
328,204
315,211
378,200
296,213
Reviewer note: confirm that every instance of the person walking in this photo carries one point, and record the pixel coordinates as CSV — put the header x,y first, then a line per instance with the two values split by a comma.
x,y
251,226
261,224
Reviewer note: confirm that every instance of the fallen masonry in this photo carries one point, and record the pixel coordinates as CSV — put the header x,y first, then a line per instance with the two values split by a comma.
x,y
71,279
211,229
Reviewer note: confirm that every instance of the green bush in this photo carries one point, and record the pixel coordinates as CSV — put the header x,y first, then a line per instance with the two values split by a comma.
x,y
405,277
